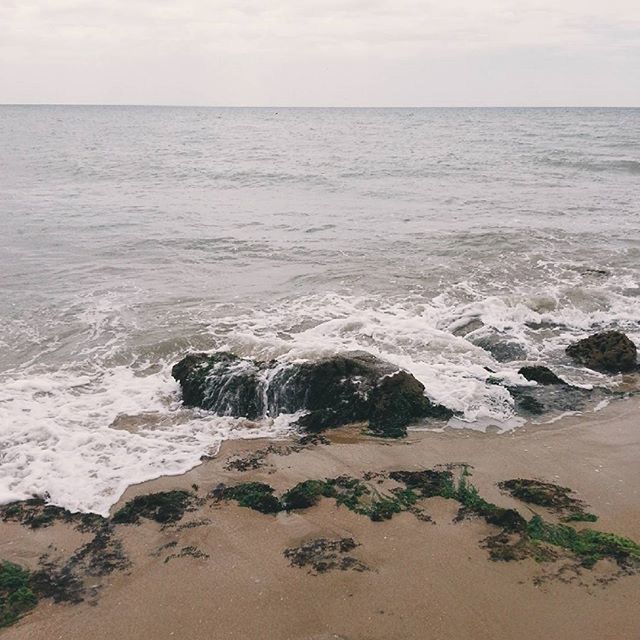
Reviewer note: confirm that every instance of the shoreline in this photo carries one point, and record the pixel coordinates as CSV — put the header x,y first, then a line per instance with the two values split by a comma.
x,y
405,577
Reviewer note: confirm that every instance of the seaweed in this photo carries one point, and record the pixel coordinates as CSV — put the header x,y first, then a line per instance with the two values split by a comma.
x,y
35,513
188,552
588,545
253,495
16,593
548,495
322,555
428,483
304,495
164,507
102,555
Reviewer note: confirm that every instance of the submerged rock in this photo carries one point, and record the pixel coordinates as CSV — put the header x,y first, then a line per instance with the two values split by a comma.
x,y
610,351
341,389
557,398
502,350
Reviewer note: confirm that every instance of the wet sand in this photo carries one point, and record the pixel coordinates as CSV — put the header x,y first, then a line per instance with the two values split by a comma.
x,y
423,580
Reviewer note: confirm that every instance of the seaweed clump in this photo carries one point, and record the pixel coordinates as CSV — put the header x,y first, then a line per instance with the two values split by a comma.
x,y
305,494
253,495
364,500
588,545
164,507
322,555
35,513
16,595
551,496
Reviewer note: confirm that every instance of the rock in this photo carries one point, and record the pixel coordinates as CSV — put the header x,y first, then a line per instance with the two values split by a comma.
x,y
610,351
399,400
341,389
528,404
220,382
501,350
555,398
465,326
541,375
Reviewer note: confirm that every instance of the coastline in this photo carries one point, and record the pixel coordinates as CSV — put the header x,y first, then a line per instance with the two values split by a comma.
x,y
412,578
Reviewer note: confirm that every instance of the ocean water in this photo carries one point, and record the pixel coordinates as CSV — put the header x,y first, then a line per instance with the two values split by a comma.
x,y
131,235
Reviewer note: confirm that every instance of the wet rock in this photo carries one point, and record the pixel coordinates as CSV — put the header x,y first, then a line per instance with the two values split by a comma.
x,y
501,350
610,351
335,390
465,326
557,398
399,400
342,389
220,382
541,375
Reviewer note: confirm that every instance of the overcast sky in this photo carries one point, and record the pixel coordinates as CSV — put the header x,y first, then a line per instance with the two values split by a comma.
x,y
321,52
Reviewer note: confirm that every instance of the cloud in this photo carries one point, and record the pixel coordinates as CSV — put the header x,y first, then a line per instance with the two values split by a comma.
x,y
120,36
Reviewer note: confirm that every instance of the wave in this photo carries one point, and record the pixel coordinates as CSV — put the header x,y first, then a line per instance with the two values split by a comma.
x,y
83,433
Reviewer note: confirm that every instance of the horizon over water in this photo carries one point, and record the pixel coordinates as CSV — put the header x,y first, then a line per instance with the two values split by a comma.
x,y
133,234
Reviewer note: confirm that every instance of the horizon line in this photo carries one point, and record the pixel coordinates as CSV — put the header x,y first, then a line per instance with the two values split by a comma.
x,y
267,106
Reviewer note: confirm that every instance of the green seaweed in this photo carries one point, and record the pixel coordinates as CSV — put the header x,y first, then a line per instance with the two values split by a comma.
x,y
164,507
253,495
549,495
304,495
16,595
588,545
580,516
427,483
35,513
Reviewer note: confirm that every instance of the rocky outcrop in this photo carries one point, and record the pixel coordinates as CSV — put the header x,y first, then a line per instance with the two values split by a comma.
x,y
610,351
341,389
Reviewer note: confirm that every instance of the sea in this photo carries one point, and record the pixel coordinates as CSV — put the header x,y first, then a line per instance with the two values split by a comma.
x,y
133,235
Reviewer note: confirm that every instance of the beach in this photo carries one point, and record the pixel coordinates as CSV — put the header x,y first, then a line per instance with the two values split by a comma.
x,y
220,571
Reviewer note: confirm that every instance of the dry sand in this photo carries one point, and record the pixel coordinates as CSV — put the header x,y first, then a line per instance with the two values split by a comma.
x,y
426,581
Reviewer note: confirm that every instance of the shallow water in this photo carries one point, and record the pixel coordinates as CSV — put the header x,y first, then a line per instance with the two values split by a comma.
x,y
131,235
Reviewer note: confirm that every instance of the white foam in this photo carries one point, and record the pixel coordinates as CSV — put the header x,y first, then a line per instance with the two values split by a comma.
x,y
85,432
62,435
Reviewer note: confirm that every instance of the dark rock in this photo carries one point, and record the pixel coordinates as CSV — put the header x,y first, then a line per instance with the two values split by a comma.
x,y
501,350
399,400
220,382
529,404
556,398
609,351
541,375
341,389
337,386
466,326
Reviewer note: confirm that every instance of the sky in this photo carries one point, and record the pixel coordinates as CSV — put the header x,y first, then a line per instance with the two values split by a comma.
x,y
321,52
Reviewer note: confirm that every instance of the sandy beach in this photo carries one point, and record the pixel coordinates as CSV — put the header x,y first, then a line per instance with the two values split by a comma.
x,y
221,570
